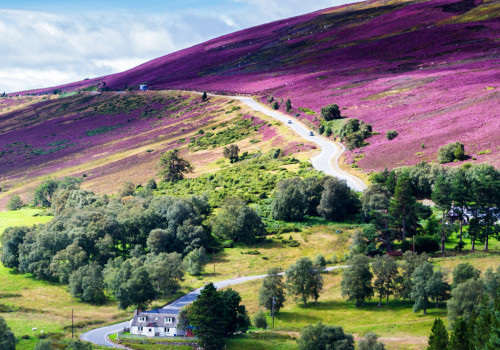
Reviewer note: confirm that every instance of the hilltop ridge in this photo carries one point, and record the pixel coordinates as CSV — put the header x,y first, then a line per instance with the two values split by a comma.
x,y
427,69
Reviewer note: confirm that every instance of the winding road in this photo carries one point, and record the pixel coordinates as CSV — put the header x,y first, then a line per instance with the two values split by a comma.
x,y
326,161
100,336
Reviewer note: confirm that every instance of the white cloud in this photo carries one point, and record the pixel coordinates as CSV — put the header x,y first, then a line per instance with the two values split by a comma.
x,y
40,49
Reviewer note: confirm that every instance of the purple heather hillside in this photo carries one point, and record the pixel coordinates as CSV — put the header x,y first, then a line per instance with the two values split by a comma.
x,y
428,69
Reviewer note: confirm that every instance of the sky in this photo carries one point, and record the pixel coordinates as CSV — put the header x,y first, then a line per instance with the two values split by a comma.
x,y
47,43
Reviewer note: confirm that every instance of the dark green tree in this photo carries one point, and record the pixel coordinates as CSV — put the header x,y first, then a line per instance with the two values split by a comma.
x,y
421,289
323,337
173,167
236,315
44,193
87,283
438,340
208,316
237,221
464,272
439,289
165,271
12,239
375,201
204,97
288,105
7,339
460,338
313,188
272,287
231,153
403,204
442,197
195,261
303,280
356,280
465,300
337,200
290,203
386,272
330,112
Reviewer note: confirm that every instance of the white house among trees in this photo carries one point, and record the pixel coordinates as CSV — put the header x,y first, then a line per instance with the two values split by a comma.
x,y
155,323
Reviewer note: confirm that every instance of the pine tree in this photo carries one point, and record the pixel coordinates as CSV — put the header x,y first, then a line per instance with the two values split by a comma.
x,y
173,167
438,340
460,337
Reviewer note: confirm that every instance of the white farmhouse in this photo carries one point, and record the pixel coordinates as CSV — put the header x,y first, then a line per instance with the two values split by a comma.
x,y
156,323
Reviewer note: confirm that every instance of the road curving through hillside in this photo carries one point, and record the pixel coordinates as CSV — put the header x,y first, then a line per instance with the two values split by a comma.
x,y
328,159
100,336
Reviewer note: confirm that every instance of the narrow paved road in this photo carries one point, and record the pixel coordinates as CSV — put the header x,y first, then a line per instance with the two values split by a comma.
x,y
100,336
328,160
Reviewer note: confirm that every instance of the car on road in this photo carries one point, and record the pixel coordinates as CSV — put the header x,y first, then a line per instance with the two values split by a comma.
x,y
289,121
311,133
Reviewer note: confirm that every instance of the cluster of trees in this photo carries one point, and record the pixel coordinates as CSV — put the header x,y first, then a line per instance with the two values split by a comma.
x,y
328,196
134,245
354,133
215,315
303,281
391,205
415,278
477,329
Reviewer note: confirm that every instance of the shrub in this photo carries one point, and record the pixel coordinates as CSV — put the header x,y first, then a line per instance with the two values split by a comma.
x,y
451,152
391,134
275,105
330,112
259,320
423,244
15,203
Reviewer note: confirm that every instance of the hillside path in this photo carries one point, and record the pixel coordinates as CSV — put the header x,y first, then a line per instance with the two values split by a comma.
x,y
99,336
328,159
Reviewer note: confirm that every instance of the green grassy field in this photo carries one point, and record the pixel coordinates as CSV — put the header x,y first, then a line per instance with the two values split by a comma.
x,y
23,217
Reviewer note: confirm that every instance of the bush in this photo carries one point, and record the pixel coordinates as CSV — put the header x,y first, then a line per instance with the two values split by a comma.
x,y
259,320
330,112
423,244
15,203
391,134
275,105
451,152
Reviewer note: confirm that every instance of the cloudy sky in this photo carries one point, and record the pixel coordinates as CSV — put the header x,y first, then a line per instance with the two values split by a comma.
x,y
46,43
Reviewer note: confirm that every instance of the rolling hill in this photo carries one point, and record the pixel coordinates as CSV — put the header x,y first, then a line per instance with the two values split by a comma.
x,y
428,69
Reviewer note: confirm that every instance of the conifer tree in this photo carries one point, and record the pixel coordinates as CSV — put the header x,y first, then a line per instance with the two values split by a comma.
x,y
438,340
460,337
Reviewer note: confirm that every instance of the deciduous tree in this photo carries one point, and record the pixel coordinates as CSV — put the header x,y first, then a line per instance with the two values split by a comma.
x,y
356,280
272,291
173,167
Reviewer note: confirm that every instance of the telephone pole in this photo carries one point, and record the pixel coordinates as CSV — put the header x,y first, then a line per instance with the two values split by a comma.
x,y
71,323
273,297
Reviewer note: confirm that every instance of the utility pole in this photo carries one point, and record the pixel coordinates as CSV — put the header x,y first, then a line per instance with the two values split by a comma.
x,y
71,323
273,297
213,260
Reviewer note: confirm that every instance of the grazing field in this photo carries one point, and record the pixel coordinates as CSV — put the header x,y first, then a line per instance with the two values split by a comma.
x,y
23,217
396,324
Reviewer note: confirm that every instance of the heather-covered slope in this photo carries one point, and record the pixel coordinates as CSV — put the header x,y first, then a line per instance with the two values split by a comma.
x,y
112,137
428,69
